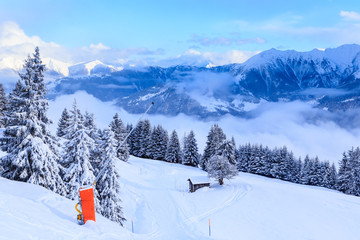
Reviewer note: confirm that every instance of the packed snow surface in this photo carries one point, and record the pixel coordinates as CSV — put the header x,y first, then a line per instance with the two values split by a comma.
x,y
155,195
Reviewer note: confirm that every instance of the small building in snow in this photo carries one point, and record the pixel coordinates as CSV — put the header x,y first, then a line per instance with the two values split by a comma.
x,y
198,182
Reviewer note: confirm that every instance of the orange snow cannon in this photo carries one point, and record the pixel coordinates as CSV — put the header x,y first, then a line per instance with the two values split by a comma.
x,y
87,204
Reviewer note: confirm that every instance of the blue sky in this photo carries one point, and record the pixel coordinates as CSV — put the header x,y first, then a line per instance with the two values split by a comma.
x,y
155,31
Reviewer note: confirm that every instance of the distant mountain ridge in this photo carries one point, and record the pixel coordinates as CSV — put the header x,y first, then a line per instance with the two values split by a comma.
x,y
272,75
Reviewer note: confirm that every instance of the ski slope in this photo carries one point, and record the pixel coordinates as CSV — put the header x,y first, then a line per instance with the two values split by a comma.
x,y
155,195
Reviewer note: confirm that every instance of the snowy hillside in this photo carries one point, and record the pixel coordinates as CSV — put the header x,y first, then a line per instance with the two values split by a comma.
x,y
155,196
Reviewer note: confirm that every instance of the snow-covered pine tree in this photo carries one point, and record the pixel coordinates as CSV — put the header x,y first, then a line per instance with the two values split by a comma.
x,y
108,185
191,152
118,128
3,106
215,139
150,149
77,155
145,138
243,158
32,154
228,150
64,123
173,153
304,176
354,174
329,180
140,138
160,144
89,123
219,167
314,176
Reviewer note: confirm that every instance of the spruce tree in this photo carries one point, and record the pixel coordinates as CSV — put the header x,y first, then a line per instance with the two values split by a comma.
x,y
3,106
151,148
191,152
145,138
228,150
108,185
32,154
64,123
159,147
219,167
173,153
78,170
118,128
215,139
243,158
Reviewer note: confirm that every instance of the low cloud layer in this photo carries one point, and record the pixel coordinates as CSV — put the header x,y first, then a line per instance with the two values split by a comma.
x,y
296,125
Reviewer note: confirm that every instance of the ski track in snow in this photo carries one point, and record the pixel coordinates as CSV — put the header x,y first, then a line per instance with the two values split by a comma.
x,y
175,194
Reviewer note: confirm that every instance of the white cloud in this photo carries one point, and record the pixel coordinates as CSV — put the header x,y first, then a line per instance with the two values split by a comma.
x,y
16,45
225,41
99,46
350,15
272,124
197,58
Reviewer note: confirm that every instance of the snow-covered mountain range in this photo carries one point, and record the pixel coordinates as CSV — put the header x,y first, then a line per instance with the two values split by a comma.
x,y
328,79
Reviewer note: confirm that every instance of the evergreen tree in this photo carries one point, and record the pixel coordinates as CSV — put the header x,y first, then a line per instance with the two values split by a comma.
x,y
145,138
77,156
32,151
173,153
215,139
329,180
305,173
243,158
160,144
3,106
191,154
64,123
120,133
108,185
228,150
89,123
314,176
353,172
219,167
151,148
141,138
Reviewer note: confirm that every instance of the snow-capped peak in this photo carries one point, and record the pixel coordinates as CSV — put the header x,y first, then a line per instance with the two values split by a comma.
x,y
57,66
92,67
342,56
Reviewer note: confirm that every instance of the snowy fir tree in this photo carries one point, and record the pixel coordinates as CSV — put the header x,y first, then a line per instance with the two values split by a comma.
x,y
158,143
215,139
191,154
173,153
329,177
140,139
228,150
120,132
349,173
219,167
151,148
79,171
32,154
108,186
64,123
3,106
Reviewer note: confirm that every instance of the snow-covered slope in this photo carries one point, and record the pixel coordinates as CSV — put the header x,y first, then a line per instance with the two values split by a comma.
x,y
155,196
